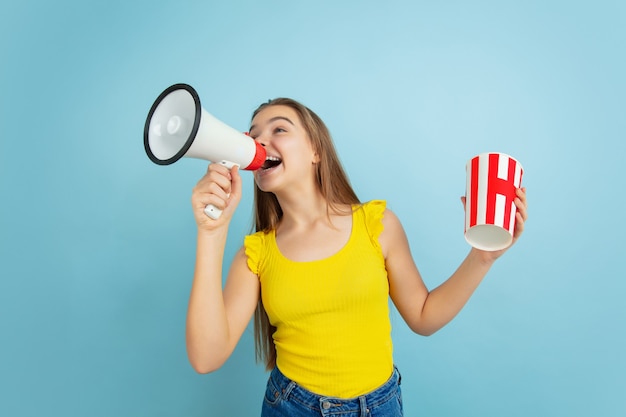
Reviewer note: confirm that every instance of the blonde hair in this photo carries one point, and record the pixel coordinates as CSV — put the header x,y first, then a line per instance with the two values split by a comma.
x,y
334,186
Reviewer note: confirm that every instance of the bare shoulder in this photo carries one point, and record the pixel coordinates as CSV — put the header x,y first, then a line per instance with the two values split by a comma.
x,y
393,234
239,263
391,223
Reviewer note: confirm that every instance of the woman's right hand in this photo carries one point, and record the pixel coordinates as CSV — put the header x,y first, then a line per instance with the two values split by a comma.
x,y
220,187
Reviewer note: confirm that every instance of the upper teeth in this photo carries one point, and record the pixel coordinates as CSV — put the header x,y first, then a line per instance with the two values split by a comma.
x,y
272,158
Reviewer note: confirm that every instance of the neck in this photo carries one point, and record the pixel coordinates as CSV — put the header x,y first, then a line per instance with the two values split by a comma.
x,y
301,209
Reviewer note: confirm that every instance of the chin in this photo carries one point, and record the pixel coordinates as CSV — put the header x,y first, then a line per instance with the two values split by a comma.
x,y
262,184
264,179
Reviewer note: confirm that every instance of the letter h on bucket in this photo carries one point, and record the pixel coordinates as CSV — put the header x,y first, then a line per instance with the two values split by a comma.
x,y
492,179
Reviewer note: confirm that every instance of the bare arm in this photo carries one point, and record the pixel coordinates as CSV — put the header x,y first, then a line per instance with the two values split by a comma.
x,y
428,311
217,318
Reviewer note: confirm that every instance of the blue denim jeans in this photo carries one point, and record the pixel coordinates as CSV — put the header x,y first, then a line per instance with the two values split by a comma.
x,y
285,398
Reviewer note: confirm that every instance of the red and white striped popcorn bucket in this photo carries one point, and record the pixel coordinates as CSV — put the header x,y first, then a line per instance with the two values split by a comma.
x,y
492,179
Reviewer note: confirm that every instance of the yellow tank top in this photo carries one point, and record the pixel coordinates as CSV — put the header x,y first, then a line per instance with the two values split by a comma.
x,y
333,332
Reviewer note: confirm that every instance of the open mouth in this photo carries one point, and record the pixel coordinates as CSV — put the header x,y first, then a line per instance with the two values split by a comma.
x,y
271,162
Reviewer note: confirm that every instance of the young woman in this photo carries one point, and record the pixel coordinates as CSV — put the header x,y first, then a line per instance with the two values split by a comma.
x,y
317,274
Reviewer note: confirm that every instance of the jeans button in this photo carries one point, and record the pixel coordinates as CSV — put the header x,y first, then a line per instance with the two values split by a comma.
x,y
325,405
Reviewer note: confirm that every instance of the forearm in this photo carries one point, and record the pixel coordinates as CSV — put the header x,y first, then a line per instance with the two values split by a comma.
x,y
207,325
446,301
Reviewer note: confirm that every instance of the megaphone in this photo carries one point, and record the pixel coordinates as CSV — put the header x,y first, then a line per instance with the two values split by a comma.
x,y
177,126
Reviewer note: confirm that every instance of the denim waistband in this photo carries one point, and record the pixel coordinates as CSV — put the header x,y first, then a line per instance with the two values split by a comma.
x,y
290,390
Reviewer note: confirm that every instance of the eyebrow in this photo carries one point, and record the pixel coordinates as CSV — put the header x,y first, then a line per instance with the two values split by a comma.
x,y
273,119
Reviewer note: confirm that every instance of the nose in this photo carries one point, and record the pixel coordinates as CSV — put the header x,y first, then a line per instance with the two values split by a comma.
x,y
261,141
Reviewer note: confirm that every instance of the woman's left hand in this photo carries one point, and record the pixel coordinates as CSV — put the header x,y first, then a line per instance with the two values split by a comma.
x,y
520,218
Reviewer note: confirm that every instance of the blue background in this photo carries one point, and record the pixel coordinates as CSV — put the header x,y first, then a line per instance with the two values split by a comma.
x,y
97,243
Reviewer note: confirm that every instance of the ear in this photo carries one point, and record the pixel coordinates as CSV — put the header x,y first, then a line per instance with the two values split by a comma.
x,y
316,158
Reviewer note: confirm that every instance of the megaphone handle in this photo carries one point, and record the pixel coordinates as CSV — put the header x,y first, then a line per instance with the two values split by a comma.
x,y
210,210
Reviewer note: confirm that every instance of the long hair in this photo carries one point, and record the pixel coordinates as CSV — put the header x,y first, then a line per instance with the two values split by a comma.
x,y
334,186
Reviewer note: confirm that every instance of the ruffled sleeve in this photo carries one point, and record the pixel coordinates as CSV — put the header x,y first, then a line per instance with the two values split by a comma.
x,y
254,248
374,211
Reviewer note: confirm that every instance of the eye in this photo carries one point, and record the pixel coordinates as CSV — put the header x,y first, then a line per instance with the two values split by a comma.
x,y
279,130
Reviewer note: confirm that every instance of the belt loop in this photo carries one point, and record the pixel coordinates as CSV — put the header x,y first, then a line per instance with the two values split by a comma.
x,y
365,412
288,389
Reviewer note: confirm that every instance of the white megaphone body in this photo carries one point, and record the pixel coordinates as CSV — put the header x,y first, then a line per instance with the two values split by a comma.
x,y
177,126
